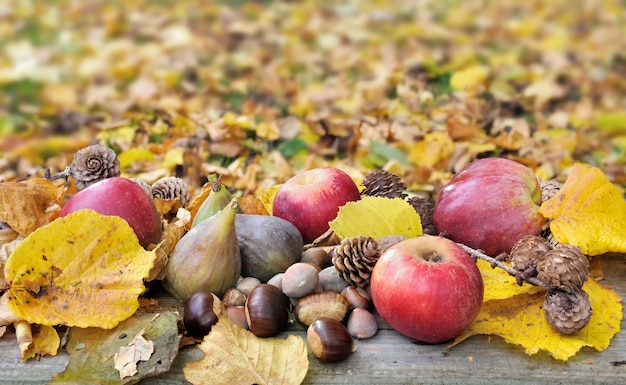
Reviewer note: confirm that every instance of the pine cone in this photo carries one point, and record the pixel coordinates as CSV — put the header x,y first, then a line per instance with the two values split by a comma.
x,y
563,268
171,188
382,183
527,252
549,188
92,164
425,208
144,185
354,259
567,312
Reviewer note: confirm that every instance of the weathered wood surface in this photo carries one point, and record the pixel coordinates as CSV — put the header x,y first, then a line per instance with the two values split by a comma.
x,y
390,358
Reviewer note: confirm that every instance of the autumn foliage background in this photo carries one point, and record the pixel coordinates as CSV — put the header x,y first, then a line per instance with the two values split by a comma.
x,y
257,91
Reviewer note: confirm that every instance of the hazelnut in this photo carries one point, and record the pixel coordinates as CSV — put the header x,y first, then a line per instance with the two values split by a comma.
x,y
233,297
300,279
245,285
357,297
329,340
267,310
237,314
331,280
362,324
327,304
199,315
317,256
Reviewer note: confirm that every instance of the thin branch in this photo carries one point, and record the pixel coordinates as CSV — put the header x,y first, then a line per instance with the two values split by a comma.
x,y
495,262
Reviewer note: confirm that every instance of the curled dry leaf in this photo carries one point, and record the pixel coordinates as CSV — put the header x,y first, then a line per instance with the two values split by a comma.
x,y
27,205
234,355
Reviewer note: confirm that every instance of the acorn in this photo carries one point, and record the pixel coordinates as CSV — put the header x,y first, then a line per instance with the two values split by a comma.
x,y
199,315
267,310
329,340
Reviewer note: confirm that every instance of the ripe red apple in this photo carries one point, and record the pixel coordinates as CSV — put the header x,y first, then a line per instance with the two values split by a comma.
x,y
427,288
310,199
124,198
489,205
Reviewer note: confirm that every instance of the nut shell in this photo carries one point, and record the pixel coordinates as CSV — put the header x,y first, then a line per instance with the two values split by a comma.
x,y
267,310
329,340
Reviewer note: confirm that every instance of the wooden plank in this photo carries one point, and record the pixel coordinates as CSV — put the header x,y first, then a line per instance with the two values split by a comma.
x,y
390,358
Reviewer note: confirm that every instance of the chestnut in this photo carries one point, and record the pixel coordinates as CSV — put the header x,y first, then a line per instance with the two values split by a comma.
x,y
199,315
317,256
300,279
267,310
357,297
233,297
329,340
237,314
362,324
317,305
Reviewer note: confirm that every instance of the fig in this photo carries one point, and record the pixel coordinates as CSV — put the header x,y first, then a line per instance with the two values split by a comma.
x,y
269,245
206,258
218,198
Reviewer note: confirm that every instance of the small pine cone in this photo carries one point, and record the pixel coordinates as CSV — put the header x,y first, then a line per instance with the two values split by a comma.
x,y
424,208
549,188
382,183
527,252
354,259
144,185
171,188
563,268
567,312
92,164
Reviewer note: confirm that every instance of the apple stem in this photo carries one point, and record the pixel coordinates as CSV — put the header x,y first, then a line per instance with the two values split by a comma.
x,y
495,262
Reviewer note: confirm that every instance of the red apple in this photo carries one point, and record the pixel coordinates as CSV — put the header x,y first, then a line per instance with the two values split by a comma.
x,y
124,198
489,205
427,288
312,198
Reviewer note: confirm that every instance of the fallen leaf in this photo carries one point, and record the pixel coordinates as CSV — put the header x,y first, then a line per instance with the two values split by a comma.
x,y
234,355
138,349
588,212
84,269
520,320
27,205
92,350
377,217
45,341
500,285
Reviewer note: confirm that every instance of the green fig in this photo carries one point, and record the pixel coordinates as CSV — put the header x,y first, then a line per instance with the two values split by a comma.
x,y
215,202
206,258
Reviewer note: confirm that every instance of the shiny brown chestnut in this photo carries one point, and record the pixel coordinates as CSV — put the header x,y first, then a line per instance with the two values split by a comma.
x,y
329,340
317,256
357,297
267,310
199,315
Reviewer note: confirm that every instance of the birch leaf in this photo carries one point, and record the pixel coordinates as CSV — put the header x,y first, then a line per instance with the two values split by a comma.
x,y
84,269
588,212
520,320
377,217
234,355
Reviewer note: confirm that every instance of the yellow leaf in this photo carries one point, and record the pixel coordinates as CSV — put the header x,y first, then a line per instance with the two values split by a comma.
x,y
234,355
268,130
84,269
377,217
127,158
520,320
611,122
267,197
500,285
45,341
468,78
435,147
25,206
588,212
173,158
